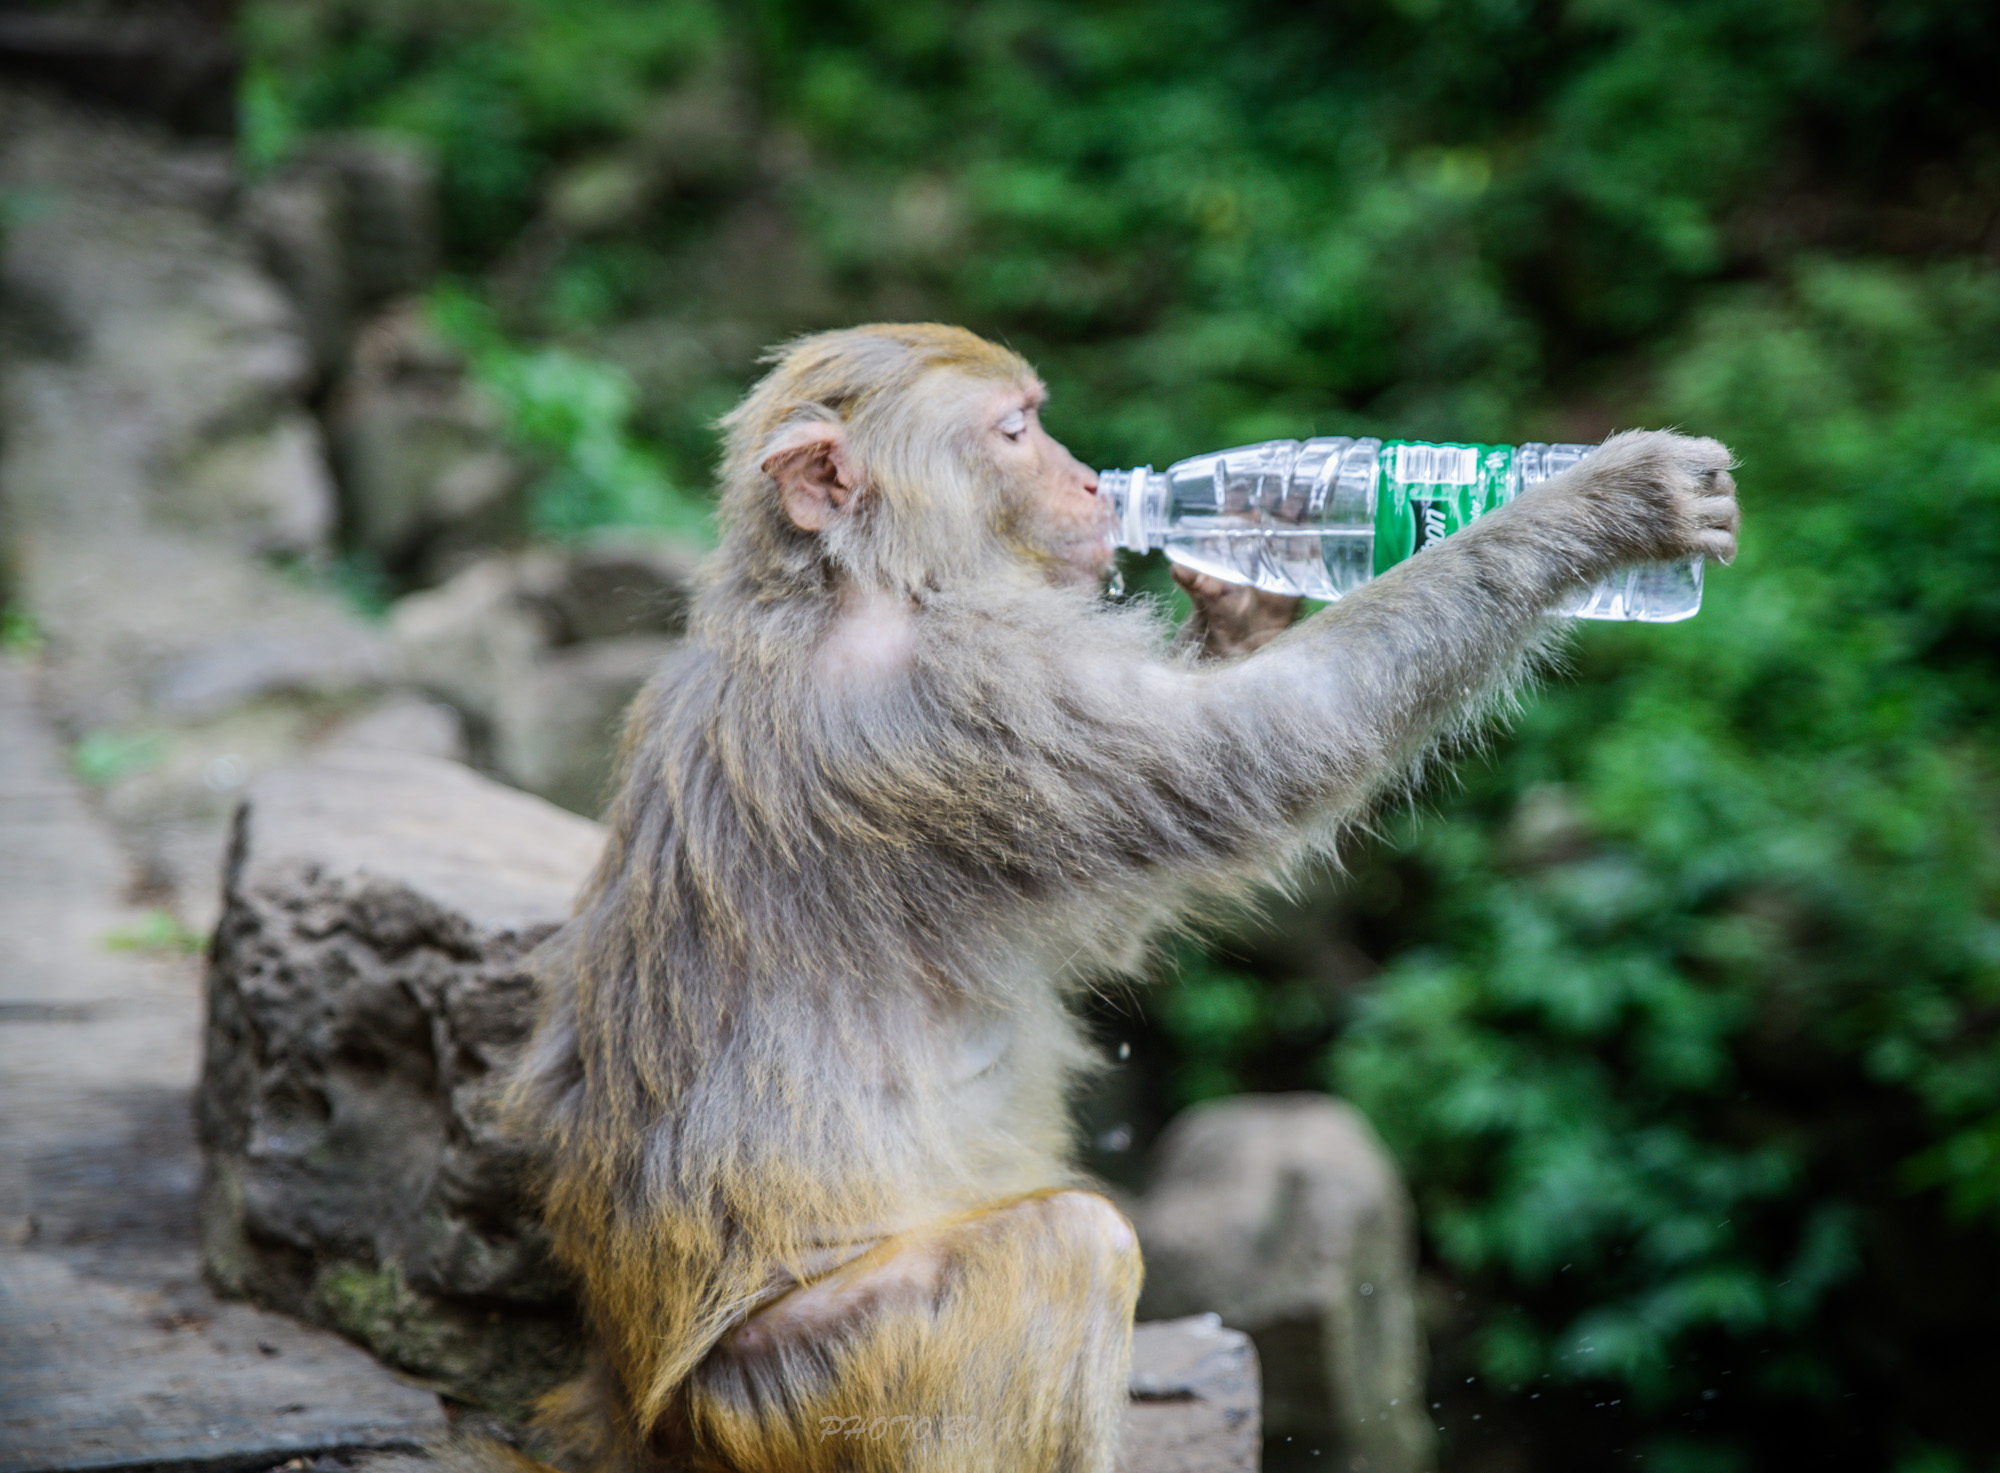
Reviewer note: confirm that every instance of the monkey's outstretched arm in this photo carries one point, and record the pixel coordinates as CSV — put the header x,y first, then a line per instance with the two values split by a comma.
x,y
1219,772
1426,647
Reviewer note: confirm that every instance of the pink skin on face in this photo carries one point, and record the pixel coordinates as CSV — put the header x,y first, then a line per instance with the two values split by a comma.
x,y
1072,524
1069,517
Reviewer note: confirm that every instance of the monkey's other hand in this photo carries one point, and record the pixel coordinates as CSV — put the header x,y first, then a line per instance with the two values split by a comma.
x,y
1230,618
1656,496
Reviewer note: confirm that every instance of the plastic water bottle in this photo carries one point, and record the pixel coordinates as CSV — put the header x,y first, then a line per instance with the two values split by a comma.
x,y
1321,517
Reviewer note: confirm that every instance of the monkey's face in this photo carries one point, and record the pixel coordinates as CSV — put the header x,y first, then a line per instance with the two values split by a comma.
x,y
1050,509
907,457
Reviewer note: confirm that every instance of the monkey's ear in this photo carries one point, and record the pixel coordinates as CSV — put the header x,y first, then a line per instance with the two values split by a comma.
x,y
816,474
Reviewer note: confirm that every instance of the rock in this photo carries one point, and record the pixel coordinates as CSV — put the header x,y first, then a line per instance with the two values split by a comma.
x,y
667,361
600,195
242,663
171,789
295,217
366,980
154,440
404,723
424,475
112,1352
702,136
364,986
555,731
389,217
165,500
545,714
617,583
699,138
131,619
477,635
348,224
273,485
1284,1215
176,63
180,341
1194,1407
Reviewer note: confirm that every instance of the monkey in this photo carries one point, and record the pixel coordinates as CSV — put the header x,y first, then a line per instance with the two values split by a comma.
x,y
908,788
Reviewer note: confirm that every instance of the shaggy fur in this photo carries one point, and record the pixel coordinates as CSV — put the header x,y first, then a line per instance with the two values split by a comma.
x,y
815,996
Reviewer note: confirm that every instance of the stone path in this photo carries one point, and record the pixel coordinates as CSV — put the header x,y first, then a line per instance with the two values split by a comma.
x,y
113,1352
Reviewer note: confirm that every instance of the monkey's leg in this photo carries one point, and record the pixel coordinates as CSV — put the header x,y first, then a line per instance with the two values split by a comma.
x,y
997,1340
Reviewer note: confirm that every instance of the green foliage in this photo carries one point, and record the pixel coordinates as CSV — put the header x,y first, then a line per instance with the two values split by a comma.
x,y
1634,1076
574,414
19,633
497,88
359,577
156,931
1222,1019
1209,222
103,757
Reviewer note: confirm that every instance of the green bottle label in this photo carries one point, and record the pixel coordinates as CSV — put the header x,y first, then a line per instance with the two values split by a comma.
x,y
1427,491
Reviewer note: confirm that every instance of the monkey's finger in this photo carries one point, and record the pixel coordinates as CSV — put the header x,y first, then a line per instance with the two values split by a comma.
x,y
1724,512
1200,586
1716,545
1704,457
1275,608
1718,483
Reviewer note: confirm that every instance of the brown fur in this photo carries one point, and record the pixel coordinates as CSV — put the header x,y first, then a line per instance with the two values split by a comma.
x,y
897,800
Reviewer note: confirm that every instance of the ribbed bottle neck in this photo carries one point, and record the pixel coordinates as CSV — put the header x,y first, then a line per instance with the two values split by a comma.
x,y
1131,495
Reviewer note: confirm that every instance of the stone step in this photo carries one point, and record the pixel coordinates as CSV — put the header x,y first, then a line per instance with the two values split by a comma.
x,y
114,1354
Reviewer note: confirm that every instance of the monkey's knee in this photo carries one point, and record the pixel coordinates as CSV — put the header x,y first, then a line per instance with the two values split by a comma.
x,y
1082,1230
1066,1231
1091,1220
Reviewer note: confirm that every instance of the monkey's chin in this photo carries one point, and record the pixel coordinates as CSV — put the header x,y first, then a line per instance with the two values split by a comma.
x,y
1078,560
1096,565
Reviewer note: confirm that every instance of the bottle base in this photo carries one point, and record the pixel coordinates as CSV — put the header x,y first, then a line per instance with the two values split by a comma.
x,y
1652,593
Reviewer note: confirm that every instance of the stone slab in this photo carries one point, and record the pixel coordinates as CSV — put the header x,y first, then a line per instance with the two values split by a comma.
x,y
1195,1395
114,1354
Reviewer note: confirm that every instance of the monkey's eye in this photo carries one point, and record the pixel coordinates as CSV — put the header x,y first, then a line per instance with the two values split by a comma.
x,y
1014,424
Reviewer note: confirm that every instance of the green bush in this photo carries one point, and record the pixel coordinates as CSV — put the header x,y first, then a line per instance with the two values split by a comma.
x,y
573,414
1676,1088
499,89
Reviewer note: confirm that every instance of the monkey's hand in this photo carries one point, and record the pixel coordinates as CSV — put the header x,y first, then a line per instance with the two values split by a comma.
x,y
1649,496
1230,618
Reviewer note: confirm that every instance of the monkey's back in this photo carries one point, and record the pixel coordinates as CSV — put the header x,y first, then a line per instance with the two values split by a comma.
x,y
758,1053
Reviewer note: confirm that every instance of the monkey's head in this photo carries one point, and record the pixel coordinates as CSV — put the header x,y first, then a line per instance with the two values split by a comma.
x,y
899,458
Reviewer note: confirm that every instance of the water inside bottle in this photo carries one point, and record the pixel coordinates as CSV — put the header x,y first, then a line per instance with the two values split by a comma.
x,y
1329,565
1318,564
1287,516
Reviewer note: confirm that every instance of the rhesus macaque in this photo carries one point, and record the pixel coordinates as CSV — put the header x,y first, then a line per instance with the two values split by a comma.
x,y
909,787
